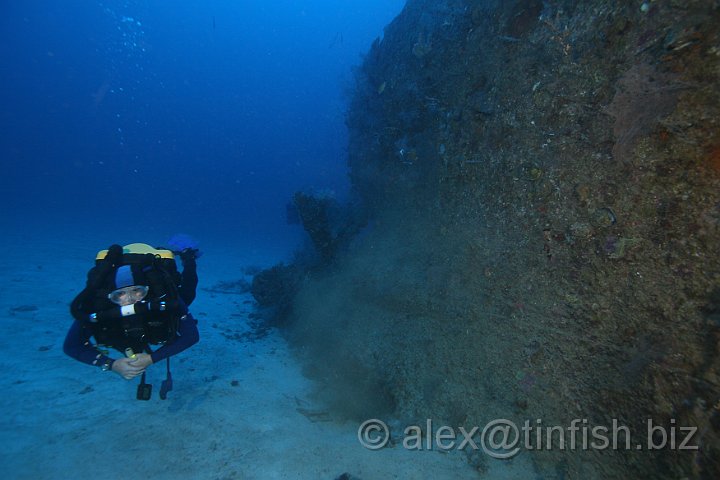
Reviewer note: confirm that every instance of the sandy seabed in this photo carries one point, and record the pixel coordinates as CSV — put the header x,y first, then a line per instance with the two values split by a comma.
x,y
240,409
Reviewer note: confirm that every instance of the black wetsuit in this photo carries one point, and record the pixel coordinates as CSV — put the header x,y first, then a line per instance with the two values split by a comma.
x,y
78,345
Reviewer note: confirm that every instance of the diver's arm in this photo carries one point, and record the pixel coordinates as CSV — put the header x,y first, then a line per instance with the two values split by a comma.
x,y
77,345
188,277
187,336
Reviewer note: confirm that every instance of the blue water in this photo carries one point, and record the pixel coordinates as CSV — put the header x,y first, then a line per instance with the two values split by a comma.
x,y
126,117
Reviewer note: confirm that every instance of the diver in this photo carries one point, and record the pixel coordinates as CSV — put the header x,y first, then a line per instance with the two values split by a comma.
x,y
136,297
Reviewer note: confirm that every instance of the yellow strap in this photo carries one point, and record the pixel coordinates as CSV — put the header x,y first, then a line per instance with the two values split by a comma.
x,y
141,248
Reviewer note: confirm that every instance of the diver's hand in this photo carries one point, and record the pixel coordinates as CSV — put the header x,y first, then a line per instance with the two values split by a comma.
x,y
126,368
141,360
189,256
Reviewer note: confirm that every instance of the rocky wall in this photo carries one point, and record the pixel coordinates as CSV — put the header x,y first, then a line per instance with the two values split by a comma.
x,y
544,179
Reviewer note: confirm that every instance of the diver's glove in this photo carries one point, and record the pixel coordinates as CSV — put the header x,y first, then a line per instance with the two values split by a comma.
x,y
189,255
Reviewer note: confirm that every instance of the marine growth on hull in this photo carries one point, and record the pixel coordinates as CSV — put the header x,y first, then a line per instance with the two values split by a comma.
x,y
540,230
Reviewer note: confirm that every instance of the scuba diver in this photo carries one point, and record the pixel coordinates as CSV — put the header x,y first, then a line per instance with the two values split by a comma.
x,y
135,297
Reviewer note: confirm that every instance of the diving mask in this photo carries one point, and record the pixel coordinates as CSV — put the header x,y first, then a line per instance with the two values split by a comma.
x,y
128,295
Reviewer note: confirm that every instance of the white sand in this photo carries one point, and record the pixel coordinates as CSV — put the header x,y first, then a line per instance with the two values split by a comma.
x,y
63,419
